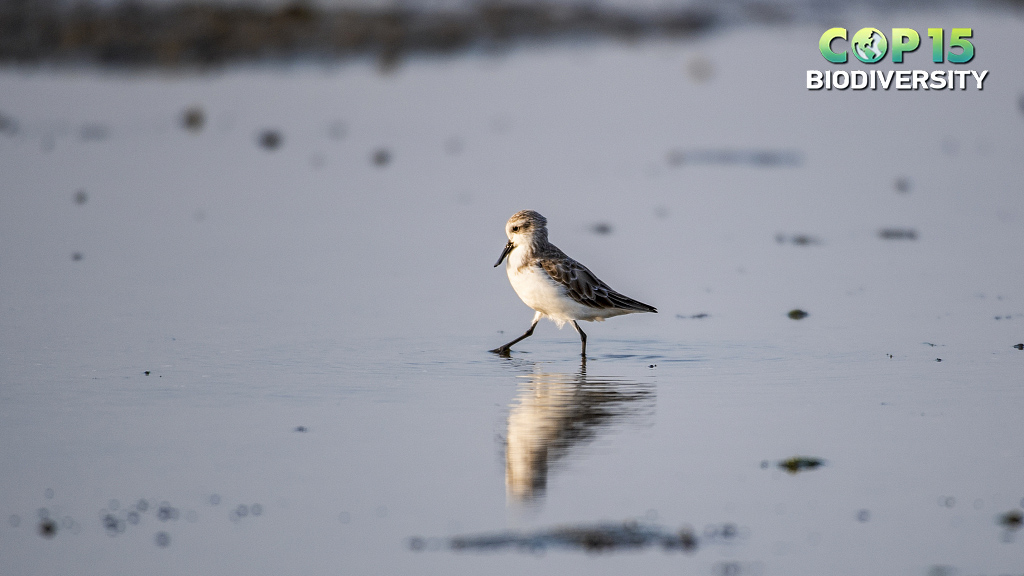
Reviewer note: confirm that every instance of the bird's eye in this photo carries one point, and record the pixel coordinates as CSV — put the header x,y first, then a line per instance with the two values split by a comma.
x,y
515,228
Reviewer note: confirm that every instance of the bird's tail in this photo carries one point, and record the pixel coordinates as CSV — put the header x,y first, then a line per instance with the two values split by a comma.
x,y
627,303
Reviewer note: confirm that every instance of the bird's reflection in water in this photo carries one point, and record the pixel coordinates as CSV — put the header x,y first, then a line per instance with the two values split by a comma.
x,y
555,412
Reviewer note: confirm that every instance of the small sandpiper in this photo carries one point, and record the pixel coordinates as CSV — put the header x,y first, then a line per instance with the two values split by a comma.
x,y
553,284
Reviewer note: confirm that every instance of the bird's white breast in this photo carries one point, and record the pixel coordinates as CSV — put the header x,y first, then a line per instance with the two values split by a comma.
x,y
542,293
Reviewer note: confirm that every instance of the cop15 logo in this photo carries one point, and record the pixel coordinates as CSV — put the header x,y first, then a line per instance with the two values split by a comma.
x,y
869,45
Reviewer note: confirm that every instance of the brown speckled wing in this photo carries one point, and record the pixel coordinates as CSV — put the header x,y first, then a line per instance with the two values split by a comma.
x,y
584,287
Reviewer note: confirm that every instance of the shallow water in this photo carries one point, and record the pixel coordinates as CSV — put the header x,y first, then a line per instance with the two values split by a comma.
x,y
275,360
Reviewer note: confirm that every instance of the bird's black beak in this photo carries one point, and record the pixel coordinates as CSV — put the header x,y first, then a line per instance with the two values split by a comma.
x,y
508,248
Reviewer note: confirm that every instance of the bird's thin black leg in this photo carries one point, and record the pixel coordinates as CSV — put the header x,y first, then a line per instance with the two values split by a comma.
x,y
504,350
583,338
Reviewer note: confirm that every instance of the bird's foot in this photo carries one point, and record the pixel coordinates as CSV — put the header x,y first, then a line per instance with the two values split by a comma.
x,y
502,351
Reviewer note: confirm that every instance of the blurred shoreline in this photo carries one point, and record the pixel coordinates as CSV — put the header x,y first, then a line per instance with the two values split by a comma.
x,y
139,35
135,35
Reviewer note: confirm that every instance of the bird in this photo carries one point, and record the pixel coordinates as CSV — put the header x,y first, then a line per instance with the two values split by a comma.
x,y
553,284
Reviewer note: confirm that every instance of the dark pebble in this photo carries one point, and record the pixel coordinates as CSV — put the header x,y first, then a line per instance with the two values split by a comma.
x,y
1012,520
47,528
193,119
167,512
381,157
270,139
1019,346
113,524
687,540
798,314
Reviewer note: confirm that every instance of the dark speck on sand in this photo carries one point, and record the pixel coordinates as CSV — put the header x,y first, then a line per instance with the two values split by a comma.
x,y
897,234
797,239
1012,520
193,119
381,157
47,528
800,463
270,139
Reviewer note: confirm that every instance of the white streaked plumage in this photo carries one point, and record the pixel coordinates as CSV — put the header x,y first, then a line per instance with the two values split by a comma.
x,y
553,284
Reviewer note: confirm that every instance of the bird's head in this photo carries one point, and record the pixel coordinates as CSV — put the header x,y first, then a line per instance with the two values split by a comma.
x,y
523,229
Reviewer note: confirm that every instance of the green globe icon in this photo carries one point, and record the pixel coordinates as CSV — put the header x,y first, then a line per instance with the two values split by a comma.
x,y
870,45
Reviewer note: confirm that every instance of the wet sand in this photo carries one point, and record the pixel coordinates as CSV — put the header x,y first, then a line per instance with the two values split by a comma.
x,y
245,315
